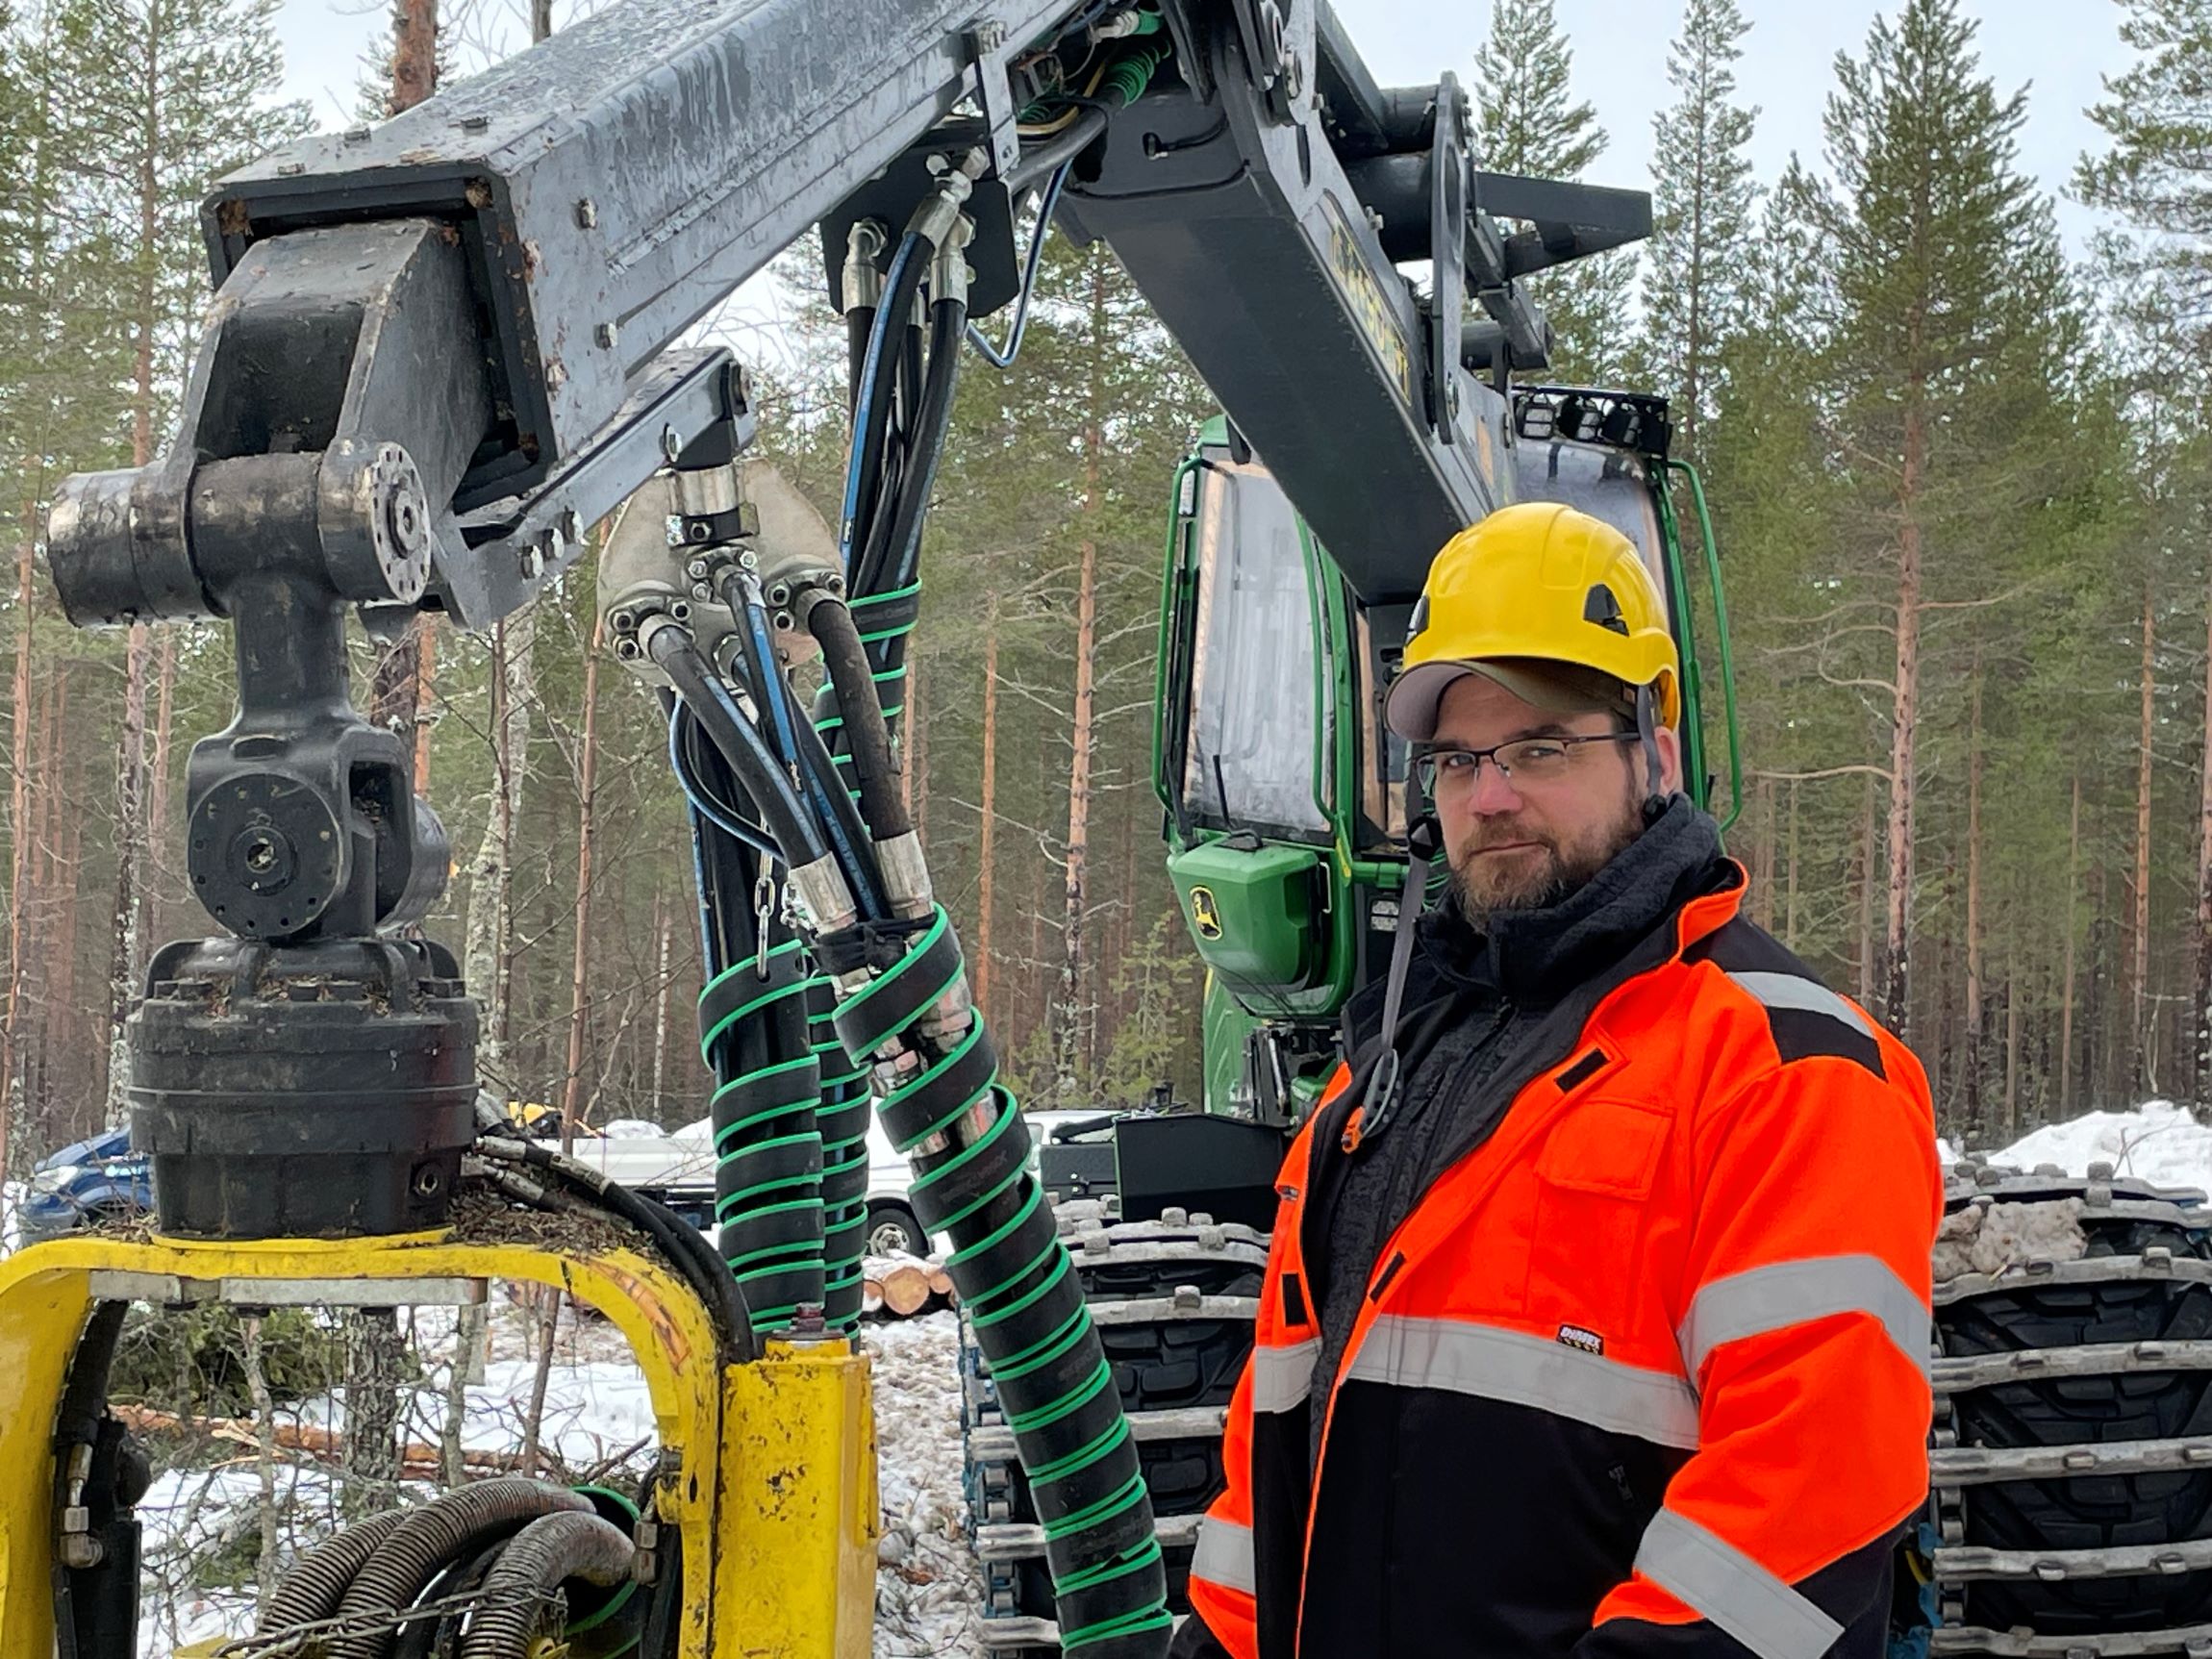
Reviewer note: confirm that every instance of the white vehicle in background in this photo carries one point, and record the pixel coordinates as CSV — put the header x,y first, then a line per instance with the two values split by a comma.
x,y
676,1167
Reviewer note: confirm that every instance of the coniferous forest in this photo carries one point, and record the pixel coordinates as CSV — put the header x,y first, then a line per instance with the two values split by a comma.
x,y
1961,481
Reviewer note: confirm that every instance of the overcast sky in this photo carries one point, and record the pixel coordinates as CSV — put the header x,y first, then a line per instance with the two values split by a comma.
x,y
2057,48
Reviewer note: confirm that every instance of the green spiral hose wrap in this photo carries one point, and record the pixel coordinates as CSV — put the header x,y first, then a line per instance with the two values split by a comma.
x,y
754,1033
883,620
963,1132
843,1118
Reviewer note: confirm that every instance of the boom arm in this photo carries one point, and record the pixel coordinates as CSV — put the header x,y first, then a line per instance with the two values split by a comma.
x,y
443,346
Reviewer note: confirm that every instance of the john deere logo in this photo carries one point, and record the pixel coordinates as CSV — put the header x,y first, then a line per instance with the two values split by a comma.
x,y
1205,914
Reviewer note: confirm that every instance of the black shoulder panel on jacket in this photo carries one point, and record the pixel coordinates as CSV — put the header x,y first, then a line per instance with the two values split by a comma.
x,y
1805,1016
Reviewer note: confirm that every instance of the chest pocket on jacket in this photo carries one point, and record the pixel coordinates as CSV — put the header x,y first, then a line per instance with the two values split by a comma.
x,y
1593,1187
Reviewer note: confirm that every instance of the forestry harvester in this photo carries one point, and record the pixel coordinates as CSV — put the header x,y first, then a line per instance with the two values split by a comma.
x,y
443,347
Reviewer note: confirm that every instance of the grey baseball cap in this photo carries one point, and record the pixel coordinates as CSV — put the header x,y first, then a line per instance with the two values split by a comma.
x,y
1557,688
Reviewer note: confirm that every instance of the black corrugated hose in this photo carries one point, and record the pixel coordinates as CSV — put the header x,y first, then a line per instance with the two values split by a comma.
x,y
522,1592
429,1540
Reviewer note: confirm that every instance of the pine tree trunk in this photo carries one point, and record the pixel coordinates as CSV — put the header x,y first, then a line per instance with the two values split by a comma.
x,y
2201,1048
265,1458
1762,874
130,865
1904,730
2073,927
489,931
131,771
1074,979
2012,1000
664,926
158,775
2139,959
374,1355
1866,953
414,53
1789,910
1974,945
396,687
987,886
579,963
19,836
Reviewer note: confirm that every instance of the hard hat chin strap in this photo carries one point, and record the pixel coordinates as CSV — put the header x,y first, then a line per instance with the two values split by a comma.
x,y
1647,735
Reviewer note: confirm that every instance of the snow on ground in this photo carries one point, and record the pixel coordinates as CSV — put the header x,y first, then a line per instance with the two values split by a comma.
x,y
2157,1141
928,1590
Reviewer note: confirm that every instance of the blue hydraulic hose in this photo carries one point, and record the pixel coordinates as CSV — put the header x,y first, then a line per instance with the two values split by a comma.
x,y
864,406
991,354
703,804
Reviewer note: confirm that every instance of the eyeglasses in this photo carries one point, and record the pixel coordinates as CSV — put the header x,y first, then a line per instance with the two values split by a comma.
x,y
1530,760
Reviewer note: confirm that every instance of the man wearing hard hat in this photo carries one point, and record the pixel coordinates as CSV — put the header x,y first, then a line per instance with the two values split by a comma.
x,y
1597,1318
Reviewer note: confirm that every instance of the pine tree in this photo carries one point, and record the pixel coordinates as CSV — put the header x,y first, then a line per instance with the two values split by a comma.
x,y
1942,286
2158,172
1703,198
1526,121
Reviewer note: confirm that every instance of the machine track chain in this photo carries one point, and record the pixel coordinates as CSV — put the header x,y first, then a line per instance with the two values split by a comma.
x,y
2070,1459
1173,1301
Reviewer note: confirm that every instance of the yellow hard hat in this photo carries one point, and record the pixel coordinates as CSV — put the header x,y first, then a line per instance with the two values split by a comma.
x,y
1551,603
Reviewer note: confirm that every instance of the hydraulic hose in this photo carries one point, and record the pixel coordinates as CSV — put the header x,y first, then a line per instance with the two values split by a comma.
x,y
768,1202
683,732
856,706
671,645
318,1582
843,1118
833,806
683,1244
872,408
522,1593
947,324
963,1134
1058,150
434,1537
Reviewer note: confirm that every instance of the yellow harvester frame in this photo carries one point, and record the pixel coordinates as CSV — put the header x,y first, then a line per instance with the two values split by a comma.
x,y
768,1471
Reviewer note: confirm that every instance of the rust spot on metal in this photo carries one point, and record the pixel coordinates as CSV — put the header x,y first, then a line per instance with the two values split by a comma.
x,y
419,155
533,258
232,218
449,235
479,194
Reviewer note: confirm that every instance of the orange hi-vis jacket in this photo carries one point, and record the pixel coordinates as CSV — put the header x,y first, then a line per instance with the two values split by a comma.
x,y
1643,1375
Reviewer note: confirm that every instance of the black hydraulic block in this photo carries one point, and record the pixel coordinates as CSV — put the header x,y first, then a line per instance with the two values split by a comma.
x,y
314,1090
1220,1166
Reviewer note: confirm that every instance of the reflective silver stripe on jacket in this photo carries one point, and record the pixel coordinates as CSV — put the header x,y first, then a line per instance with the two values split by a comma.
x,y
1793,991
1224,1555
1282,1378
1408,1352
1773,1299
1732,1590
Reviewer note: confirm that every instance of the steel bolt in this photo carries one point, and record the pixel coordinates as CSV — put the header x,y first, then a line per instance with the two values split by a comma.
x,y
532,561
697,569
671,444
623,619
588,215
627,649
700,590
572,525
357,135
608,335
291,169
786,621
473,123
748,559
780,594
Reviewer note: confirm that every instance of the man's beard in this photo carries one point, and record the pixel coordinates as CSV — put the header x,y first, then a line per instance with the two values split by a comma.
x,y
1538,876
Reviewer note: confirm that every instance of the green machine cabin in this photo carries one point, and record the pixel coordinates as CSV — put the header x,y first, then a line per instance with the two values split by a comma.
x,y
1284,794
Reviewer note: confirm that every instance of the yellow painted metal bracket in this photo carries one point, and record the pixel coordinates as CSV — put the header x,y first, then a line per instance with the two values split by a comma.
x,y
767,1470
